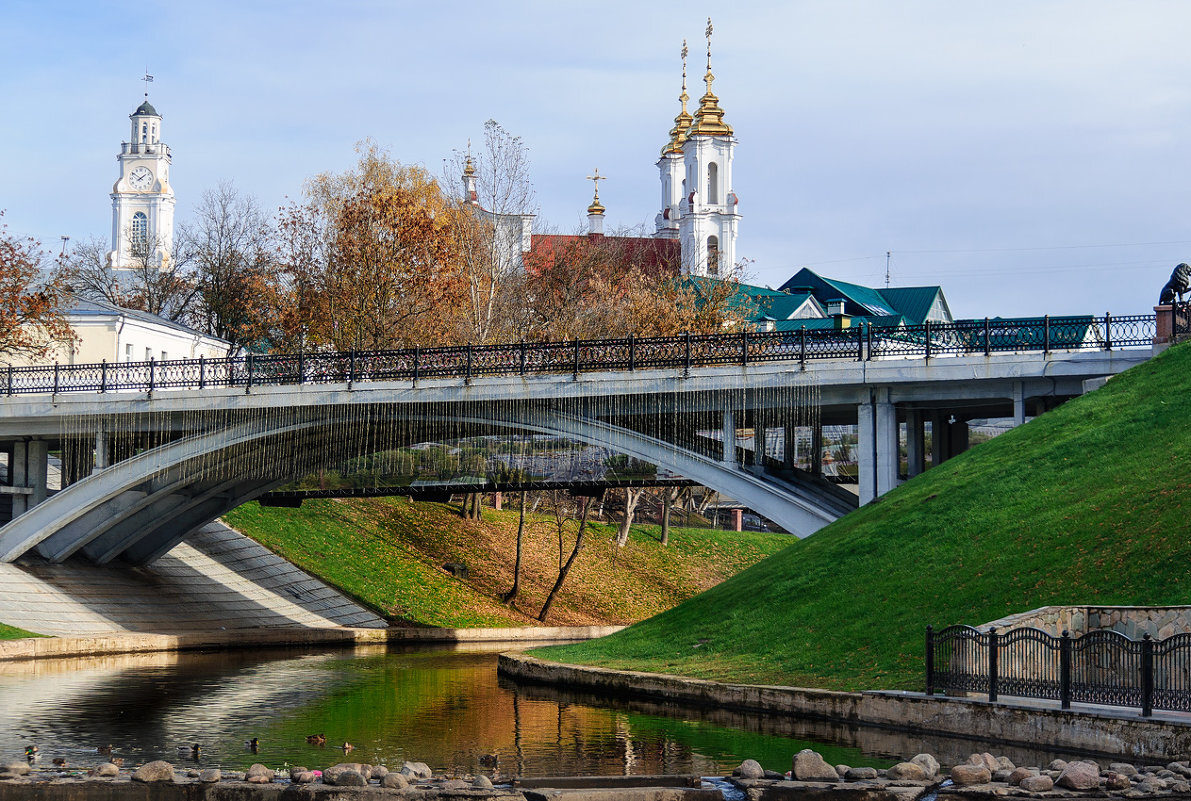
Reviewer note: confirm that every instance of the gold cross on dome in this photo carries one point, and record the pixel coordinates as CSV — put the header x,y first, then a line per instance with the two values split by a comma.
x,y
596,178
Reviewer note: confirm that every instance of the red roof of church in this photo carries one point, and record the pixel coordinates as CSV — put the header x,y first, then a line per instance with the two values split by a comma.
x,y
643,251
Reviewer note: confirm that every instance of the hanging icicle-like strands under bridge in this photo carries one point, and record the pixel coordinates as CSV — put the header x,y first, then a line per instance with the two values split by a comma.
x,y
152,451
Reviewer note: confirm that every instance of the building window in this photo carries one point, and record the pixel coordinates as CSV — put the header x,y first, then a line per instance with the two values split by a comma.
x,y
148,354
713,183
128,353
139,235
144,132
713,256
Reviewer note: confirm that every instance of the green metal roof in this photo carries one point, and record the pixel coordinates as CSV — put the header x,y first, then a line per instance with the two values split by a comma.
x,y
145,108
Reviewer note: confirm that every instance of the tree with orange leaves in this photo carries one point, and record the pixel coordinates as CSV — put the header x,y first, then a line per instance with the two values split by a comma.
x,y
31,320
370,258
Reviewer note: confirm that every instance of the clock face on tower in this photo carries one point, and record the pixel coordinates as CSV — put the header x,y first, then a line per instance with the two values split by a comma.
x,y
141,178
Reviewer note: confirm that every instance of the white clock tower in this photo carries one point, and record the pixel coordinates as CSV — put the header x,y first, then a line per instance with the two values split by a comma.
x,y
142,199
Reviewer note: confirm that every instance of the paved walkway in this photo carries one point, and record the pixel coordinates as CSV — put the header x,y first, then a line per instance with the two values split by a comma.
x,y
217,580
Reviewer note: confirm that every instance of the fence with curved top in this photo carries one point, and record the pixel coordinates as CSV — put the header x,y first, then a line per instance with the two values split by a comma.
x,y
1101,667
863,342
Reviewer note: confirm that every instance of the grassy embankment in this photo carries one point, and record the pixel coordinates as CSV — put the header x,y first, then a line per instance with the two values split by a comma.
x,y
13,633
388,554
1086,504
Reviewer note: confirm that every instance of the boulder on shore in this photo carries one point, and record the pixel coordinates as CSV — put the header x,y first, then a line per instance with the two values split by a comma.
x,y
158,771
970,774
809,766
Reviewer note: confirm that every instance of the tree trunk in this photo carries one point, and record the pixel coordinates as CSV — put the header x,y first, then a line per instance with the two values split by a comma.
x,y
509,596
669,495
631,498
562,574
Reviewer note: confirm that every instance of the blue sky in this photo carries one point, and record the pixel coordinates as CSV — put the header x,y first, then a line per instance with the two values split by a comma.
x,y
1029,156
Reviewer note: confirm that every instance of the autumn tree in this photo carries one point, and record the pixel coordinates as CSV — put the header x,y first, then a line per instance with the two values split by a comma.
x,y
590,287
227,244
372,257
31,320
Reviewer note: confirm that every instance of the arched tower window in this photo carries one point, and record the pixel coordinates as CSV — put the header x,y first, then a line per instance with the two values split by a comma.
x,y
139,235
144,132
713,183
713,256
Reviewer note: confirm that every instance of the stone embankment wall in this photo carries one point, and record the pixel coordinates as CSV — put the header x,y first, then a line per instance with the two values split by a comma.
x,y
1132,621
1082,732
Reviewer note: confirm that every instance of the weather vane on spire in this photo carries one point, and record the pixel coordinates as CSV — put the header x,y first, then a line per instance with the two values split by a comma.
x,y
148,79
595,179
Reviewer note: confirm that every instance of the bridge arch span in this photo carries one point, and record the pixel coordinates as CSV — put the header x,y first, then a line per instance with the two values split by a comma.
x,y
139,508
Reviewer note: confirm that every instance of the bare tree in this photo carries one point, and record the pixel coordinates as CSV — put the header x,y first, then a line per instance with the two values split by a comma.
x,y
632,496
227,243
584,505
152,281
490,236
511,595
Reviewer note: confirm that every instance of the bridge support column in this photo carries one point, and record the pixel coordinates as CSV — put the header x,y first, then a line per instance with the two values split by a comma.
x,y
1019,403
729,437
102,457
789,445
915,442
759,442
877,445
817,449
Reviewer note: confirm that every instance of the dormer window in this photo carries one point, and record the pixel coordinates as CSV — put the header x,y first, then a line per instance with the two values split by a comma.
x,y
835,307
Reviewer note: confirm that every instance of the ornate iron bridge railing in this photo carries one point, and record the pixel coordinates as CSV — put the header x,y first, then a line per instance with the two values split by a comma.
x,y
1101,667
863,342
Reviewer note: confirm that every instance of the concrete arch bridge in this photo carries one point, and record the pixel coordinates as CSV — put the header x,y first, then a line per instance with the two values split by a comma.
x,y
147,461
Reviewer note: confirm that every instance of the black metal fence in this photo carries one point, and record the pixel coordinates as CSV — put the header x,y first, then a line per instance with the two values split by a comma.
x,y
1101,667
863,342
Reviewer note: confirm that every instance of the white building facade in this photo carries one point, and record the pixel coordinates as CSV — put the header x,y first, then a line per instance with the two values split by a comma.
x,y
142,198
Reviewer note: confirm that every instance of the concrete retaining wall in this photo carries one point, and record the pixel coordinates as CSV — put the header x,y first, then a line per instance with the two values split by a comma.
x,y
51,647
1085,732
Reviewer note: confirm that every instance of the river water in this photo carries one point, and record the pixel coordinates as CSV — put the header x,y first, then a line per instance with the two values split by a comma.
x,y
441,706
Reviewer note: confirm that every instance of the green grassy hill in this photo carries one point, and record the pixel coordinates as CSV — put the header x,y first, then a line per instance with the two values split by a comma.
x,y
389,554
1086,504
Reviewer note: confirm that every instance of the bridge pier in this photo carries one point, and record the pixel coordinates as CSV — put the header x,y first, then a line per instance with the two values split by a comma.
x,y
729,437
1019,403
915,442
877,445
30,473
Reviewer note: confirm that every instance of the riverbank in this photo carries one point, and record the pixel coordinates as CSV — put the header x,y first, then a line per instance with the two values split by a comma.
x,y
1107,734
1081,505
130,643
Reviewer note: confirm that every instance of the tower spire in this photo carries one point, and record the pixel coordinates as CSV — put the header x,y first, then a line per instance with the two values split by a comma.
x,y
595,212
682,122
709,119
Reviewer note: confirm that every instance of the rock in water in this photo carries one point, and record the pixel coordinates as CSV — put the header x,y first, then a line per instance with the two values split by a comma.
x,y
210,775
1037,784
158,771
348,778
970,774
107,769
419,770
809,766
482,783
394,781
1080,776
860,774
259,770
903,771
751,769
1016,776
1117,781
928,763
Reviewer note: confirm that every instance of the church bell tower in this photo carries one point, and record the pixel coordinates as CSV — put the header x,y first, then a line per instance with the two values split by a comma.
x,y
696,173
142,198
